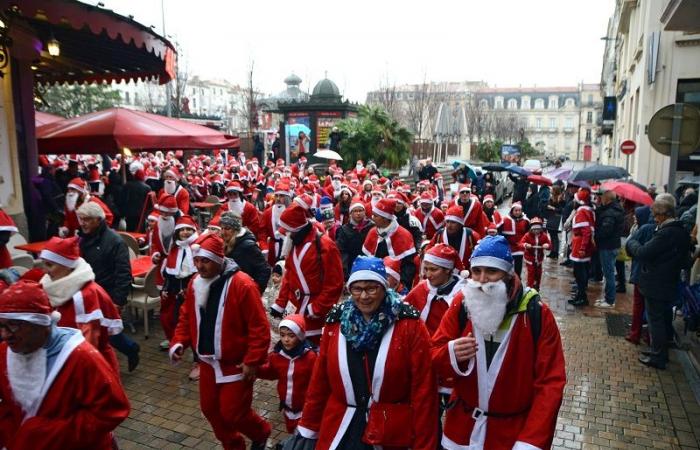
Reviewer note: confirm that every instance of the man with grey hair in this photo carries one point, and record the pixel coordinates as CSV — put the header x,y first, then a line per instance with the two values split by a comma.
x,y
108,256
241,245
609,228
662,258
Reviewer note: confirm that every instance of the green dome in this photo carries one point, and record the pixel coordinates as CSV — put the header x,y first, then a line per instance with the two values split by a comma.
x,y
326,88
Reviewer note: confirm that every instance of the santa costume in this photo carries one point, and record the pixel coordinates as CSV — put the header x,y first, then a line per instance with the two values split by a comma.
x,y
78,186
271,224
364,371
514,228
313,276
463,242
491,212
174,188
223,320
82,303
431,220
507,396
292,369
535,244
162,234
472,211
245,209
63,395
7,229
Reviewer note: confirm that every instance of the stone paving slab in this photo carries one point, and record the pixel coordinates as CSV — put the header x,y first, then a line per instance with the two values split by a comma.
x,y
611,400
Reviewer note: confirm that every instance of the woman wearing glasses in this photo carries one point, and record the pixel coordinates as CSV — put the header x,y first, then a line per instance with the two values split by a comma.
x,y
373,384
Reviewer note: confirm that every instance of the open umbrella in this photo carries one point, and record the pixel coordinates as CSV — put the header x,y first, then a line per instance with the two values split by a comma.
x,y
495,167
328,154
539,179
561,173
581,183
518,170
600,172
628,191
113,129
296,128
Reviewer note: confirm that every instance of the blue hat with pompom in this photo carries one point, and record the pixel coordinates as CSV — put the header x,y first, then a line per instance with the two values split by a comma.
x,y
493,251
368,268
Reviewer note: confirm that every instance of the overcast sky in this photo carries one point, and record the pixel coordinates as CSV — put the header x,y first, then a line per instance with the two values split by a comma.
x,y
364,43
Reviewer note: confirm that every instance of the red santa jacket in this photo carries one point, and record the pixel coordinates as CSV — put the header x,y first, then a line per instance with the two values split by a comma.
x,y
182,197
82,403
6,224
400,376
474,216
241,333
249,216
514,230
270,235
497,219
523,382
535,255
293,375
399,242
70,220
582,228
431,222
467,243
312,282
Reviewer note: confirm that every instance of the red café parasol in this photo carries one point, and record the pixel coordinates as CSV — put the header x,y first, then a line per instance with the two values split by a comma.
x,y
628,191
539,179
113,129
42,118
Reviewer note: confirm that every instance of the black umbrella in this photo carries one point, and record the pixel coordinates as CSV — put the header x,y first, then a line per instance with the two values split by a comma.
x,y
598,172
495,167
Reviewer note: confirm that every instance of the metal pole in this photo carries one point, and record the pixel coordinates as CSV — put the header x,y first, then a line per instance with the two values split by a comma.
x,y
675,145
627,164
168,86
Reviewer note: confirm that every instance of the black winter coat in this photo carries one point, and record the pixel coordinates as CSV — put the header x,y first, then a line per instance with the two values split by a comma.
x,y
133,197
609,226
108,256
246,253
349,239
661,260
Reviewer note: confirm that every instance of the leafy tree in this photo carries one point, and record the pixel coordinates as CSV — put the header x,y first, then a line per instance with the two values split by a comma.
x,y
489,151
374,135
75,100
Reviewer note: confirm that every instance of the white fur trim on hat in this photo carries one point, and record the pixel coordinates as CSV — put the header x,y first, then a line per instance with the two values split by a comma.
x,y
357,205
290,228
391,272
457,219
381,213
164,209
204,253
234,189
491,261
442,262
58,259
292,325
35,318
366,275
77,188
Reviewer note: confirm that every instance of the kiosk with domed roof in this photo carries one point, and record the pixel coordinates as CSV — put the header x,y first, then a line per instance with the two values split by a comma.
x,y
308,120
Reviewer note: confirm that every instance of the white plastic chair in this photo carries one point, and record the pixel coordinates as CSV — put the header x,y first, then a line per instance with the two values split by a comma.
x,y
23,260
146,298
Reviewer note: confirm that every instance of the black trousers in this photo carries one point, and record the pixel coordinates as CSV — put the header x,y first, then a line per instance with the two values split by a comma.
x,y
554,237
518,264
595,267
581,275
660,319
620,273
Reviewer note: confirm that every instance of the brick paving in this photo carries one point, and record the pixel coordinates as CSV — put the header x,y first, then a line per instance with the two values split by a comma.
x,y
611,400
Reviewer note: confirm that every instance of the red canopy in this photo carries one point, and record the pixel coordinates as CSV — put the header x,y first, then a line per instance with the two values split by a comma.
x,y
629,191
539,179
111,130
42,118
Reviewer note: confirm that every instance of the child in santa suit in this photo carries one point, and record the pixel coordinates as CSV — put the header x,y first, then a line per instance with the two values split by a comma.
x,y
535,243
393,275
291,363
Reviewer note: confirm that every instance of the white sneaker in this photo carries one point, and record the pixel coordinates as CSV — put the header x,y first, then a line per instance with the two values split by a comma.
x,y
604,304
164,345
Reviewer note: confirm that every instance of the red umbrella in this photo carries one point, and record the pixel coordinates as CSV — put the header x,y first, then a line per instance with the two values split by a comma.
x,y
113,129
539,179
42,118
628,191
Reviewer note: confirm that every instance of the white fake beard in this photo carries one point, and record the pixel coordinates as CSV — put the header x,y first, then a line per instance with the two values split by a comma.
x,y
170,186
286,246
486,303
201,290
375,200
166,225
336,184
236,206
277,211
71,201
26,375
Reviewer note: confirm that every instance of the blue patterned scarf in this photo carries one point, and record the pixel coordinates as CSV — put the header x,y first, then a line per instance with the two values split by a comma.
x,y
365,336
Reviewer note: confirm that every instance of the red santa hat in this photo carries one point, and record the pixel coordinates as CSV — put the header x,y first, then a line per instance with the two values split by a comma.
x,y
214,223
27,301
185,222
443,255
492,227
140,175
209,246
465,188
167,203
400,197
426,198
356,203
385,208
293,218
455,213
305,201
172,171
153,215
234,186
583,196
282,188
296,323
393,267
516,205
44,161
65,252
78,184
94,175
489,198
536,222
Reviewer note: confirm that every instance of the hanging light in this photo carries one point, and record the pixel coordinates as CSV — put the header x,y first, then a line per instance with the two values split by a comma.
x,y
53,46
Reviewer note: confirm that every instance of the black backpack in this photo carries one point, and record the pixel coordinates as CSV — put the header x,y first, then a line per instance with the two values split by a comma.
x,y
533,311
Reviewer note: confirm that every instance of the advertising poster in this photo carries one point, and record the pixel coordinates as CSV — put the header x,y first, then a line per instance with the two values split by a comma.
x,y
324,125
510,153
297,134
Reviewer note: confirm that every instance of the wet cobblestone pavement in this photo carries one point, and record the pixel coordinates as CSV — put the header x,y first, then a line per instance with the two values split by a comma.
x,y
611,400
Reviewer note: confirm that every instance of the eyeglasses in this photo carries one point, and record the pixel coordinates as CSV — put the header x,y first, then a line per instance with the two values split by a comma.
x,y
10,326
370,290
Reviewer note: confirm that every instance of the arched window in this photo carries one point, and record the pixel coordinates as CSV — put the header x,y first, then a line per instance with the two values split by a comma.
x,y
512,104
539,103
483,103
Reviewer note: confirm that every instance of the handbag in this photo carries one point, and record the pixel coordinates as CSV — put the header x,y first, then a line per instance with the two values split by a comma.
x,y
389,425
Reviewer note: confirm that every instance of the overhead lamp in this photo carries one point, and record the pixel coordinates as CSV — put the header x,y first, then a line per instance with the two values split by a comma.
x,y
126,151
53,46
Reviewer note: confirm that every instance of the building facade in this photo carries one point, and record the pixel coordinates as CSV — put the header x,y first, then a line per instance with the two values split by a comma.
x,y
652,59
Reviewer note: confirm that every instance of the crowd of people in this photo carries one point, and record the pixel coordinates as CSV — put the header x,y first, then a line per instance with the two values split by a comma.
x,y
403,320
